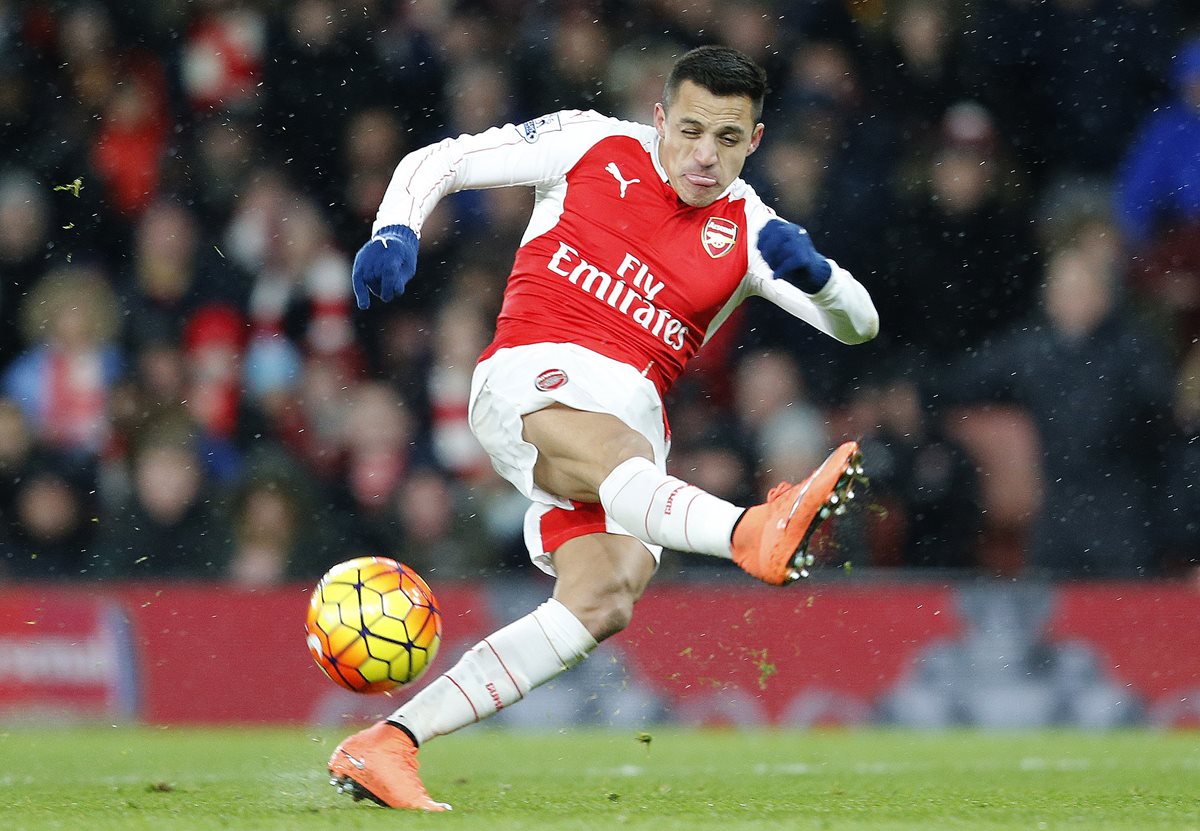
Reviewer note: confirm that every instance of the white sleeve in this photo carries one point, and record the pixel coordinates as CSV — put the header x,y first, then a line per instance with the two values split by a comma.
x,y
532,153
842,309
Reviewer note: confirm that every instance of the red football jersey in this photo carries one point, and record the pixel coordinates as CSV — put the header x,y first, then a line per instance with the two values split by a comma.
x,y
612,259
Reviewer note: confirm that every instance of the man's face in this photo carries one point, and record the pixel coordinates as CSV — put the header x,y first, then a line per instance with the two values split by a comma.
x,y
705,139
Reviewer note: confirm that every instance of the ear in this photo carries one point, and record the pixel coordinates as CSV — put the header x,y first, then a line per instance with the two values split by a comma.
x,y
755,138
660,120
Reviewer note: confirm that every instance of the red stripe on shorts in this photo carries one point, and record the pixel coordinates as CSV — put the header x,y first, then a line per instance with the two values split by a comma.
x,y
560,525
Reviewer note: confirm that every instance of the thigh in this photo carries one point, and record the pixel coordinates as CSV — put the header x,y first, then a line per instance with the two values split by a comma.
x,y
599,400
578,449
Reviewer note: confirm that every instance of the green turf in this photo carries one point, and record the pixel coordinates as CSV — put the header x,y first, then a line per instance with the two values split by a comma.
x,y
130,778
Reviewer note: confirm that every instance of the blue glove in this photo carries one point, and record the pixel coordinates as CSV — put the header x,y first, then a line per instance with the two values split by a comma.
x,y
385,264
789,251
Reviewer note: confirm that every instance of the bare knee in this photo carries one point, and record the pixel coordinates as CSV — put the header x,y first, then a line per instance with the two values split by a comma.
x,y
604,612
622,446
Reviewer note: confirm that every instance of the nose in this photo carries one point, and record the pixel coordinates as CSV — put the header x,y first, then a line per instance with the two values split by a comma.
x,y
705,152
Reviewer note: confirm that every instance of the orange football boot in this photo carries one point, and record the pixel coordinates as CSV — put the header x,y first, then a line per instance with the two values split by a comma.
x,y
380,764
771,540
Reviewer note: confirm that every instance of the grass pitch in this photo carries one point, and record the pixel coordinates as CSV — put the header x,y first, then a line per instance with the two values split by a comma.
x,y
164,779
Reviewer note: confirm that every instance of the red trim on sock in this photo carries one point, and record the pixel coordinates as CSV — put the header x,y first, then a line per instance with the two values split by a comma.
x,y
553,648
650,507
464,692
688,512
504,667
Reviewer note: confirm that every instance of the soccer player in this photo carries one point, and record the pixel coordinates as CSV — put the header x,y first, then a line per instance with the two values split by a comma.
x,y
642,241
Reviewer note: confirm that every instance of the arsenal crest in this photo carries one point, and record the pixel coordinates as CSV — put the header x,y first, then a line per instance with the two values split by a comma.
x,y
719,236
551,379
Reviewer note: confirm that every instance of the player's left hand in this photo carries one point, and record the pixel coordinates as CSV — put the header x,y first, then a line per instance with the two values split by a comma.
x,y
789,251
384,265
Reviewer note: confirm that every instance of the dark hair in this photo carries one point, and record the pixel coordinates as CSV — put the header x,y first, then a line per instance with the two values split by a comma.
x,y
721,71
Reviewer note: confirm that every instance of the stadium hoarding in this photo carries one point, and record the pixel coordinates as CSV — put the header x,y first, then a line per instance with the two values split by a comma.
x,y
66,657
846,653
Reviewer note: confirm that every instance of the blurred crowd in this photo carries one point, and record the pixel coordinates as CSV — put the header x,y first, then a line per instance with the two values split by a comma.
x,y
187,390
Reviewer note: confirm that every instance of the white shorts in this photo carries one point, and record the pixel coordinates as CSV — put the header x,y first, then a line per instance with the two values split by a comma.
x,y
519,380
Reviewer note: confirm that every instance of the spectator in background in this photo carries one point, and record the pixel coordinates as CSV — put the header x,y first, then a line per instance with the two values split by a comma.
x,y
635,74
824,101
154,386
925,483
129,148
123,92
160,373
1106,64
22,112
1097,386
563,65
272,378
315,73
222,54
301,291
49,532
373,144
16,451
461,334
1182,506
962,264
83,42
168,528
462,32
225,152
214,345
1160,175
276,533
802,178
250,239
409,59
1159,201
325,395
377,452
440,536
480,95
915,73
748,26
788,432
266,527
25,218
1069,96
64,381
172,273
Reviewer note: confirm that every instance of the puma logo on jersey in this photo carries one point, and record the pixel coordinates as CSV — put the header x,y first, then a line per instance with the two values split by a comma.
x,y
621,180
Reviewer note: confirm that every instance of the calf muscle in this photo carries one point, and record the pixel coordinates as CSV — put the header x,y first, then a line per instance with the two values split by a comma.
x,y
600,577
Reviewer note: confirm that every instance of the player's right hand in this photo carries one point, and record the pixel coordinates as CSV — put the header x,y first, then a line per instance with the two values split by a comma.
x,y
385,264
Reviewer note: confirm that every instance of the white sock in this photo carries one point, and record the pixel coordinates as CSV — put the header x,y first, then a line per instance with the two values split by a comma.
x,y
666,511
498,671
